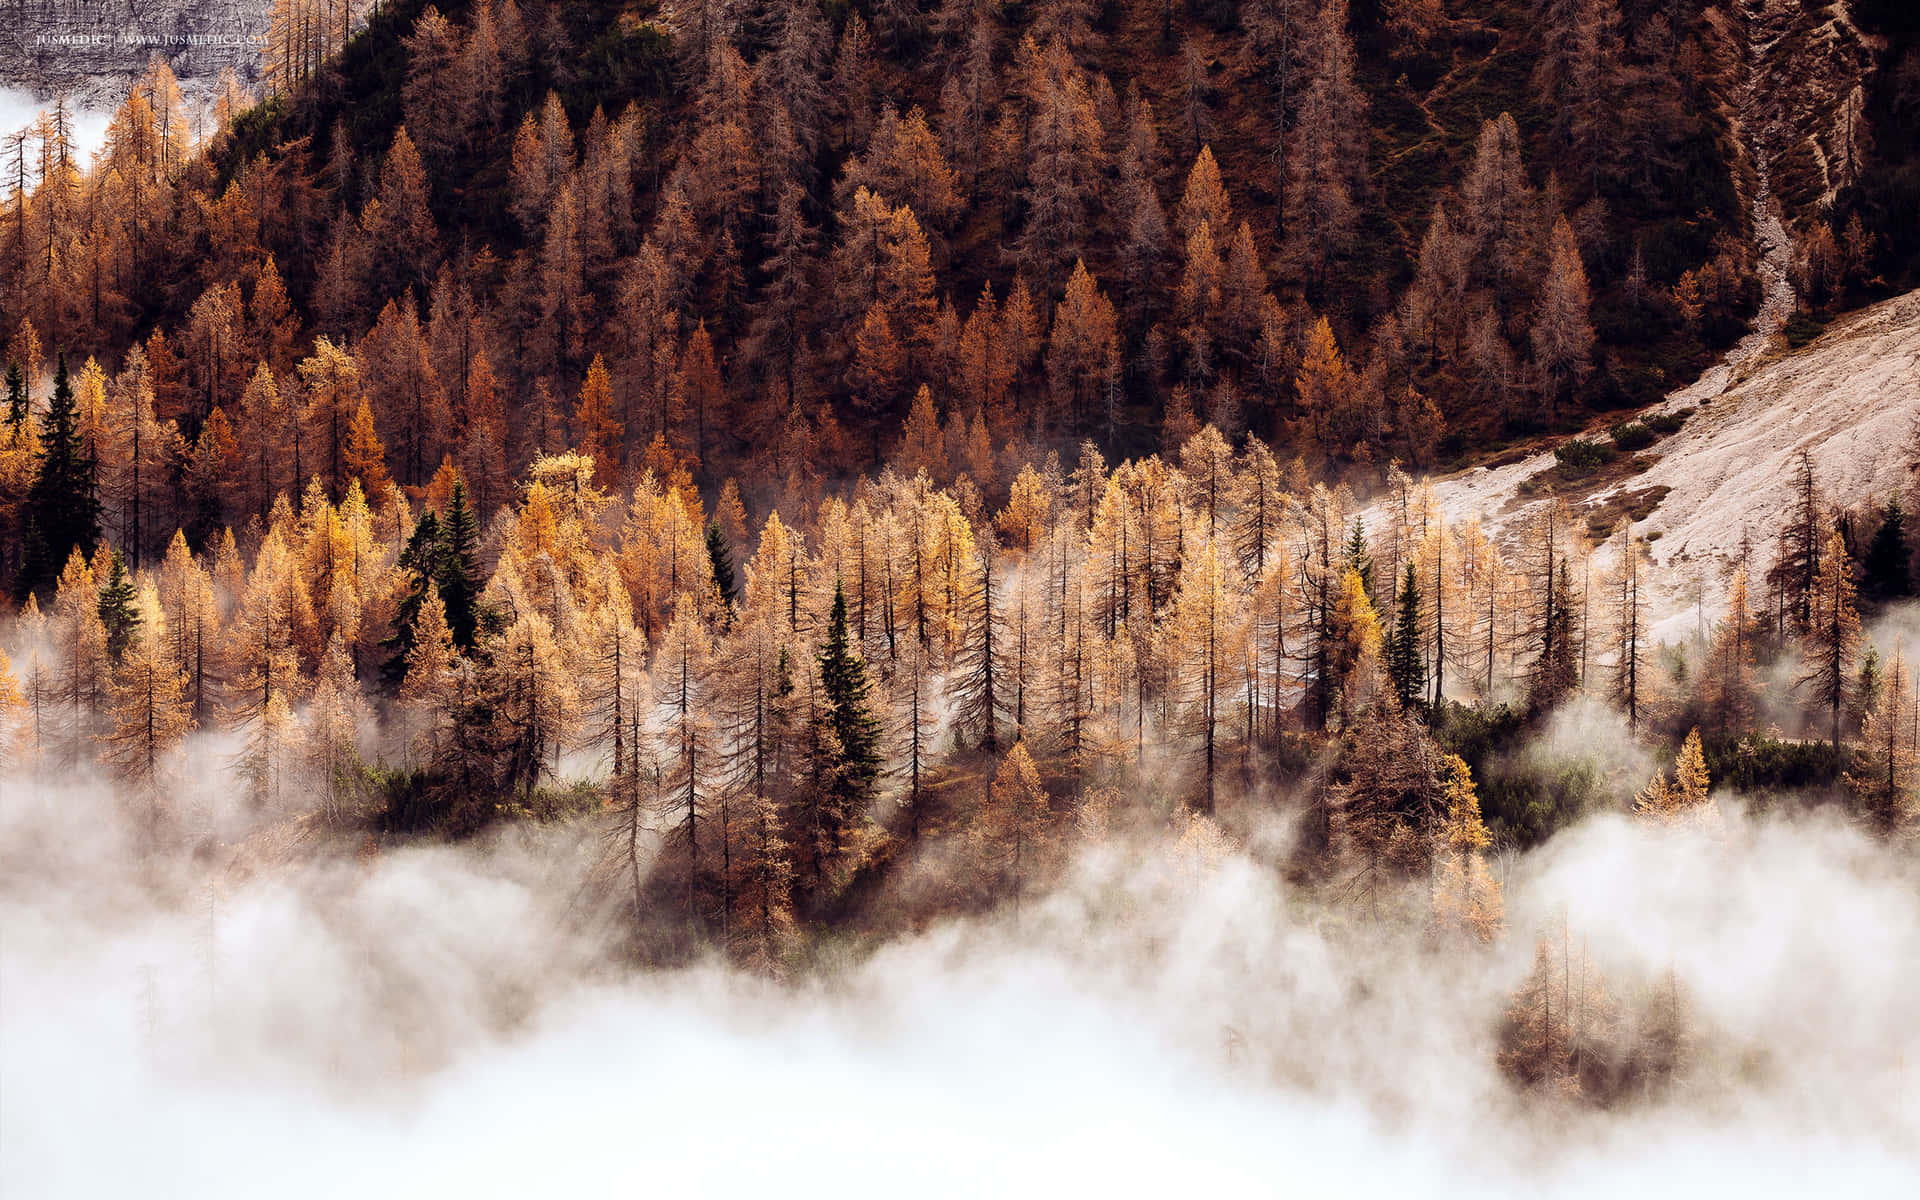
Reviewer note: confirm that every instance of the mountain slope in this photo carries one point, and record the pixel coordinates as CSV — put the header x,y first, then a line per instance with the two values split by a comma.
x,y
1725,481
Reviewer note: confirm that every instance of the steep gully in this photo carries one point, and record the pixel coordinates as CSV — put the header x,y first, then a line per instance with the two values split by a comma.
x,y
1849,400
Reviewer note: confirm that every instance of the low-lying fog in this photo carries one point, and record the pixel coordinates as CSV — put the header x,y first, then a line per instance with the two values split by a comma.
x,y
436,1021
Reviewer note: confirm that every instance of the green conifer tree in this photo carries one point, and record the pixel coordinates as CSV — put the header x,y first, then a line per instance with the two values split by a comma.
x,y
421,557
1404,662
63,511
16,397
1885,573
1358,559
845,746
721,556
459,568
119,611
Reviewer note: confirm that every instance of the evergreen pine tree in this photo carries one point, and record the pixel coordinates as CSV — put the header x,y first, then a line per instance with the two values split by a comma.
x,y
459,568
63,512
119,609
1359,559
421,558
16,397
1885,568
1557,671
1404,662
720,555
847,737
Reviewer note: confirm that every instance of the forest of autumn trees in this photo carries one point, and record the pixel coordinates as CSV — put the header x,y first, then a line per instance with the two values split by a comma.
x,y
705,432
772,225
778,696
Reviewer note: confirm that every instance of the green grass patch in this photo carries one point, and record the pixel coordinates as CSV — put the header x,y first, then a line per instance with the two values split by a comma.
x,y
1802,327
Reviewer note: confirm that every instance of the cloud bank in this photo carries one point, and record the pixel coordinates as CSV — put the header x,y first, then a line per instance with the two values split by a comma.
x,y
442,1021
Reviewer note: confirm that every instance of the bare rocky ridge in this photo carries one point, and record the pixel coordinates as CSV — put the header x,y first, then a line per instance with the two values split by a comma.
x,y
90,49
1850,399
1808,65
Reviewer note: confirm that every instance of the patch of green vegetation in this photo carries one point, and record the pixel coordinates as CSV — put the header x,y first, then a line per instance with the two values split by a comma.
x,y
415,801
621,63
1760,765
1629,436
1580,456
1666,423
1522,800
1802,327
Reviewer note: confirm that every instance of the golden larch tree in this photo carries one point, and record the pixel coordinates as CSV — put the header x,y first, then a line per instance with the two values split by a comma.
x,y
149,715
1011,835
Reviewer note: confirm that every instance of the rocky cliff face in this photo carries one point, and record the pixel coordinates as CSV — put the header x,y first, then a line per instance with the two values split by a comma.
x,y
1805,114
89,49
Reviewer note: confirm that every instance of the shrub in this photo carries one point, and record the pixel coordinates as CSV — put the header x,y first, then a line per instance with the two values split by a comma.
x,y
1803,327
1629,436
1579,454
1668,422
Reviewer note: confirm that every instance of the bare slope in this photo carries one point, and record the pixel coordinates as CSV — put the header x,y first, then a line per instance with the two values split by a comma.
x,y
1850,399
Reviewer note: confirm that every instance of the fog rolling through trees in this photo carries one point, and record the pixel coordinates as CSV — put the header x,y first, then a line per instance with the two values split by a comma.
x,y
1168,1013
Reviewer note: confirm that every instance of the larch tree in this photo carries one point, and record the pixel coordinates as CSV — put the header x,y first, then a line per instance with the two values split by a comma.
x,y
364,461
1687,799
763,930
679,672
192,609
975,601
1832,641
1562,334
331,379
1083,352
1208,635
1497,204
616,701
1466,897
596,427
1324,386
1065,160
1010,835
405,239
428,688
1882,778
755,706
429,94
1727,675
1561,1026
85,668
1327,166
1630,635
1795,573
922,449
410,400
264,639
335,713
1388,811
533,687
1352,640
1204,201
149,714
1551,623
16,723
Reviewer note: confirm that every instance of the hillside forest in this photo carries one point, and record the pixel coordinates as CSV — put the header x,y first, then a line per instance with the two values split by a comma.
x,y
854,456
